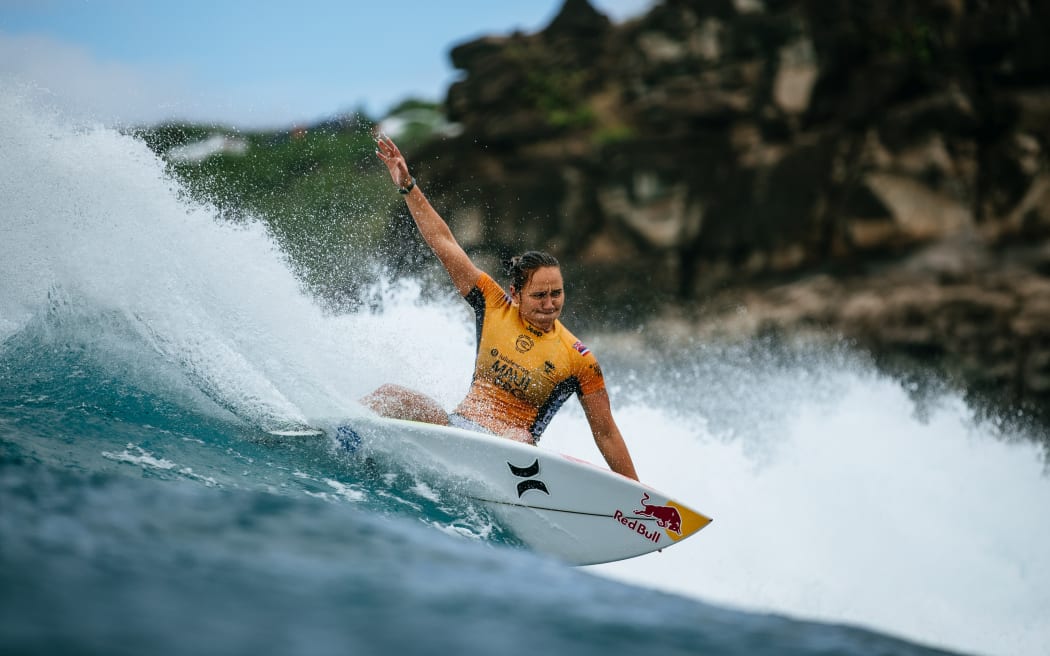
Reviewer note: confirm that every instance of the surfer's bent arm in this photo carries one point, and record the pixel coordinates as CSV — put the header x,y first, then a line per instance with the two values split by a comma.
x,y
607,434
430,224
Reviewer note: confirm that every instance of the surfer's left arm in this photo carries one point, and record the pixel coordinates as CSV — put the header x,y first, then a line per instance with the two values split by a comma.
x,y
607,434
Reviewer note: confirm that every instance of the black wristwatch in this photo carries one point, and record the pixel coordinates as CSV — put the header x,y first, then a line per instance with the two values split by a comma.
x,y
410,187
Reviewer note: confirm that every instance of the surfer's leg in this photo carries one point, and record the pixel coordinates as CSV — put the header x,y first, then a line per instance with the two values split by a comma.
x,y
519,435
402,403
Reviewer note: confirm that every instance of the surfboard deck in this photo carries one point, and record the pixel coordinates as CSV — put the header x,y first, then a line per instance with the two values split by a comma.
x,y
556,504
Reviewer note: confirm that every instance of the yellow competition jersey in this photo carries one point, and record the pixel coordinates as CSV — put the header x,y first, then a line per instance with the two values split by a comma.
x,y
522,376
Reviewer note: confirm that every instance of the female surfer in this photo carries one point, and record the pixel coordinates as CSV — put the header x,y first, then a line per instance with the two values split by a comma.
x,y
527,363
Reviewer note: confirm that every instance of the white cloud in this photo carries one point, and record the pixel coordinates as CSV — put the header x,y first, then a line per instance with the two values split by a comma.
x,y
85,87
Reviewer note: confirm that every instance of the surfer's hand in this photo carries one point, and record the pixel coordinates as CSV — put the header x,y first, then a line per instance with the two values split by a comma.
x,y
388,153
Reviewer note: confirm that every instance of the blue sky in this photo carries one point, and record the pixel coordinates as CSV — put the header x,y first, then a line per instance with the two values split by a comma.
x,y
266,63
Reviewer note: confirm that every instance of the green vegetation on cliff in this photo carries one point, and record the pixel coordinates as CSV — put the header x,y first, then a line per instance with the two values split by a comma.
x,y
319,190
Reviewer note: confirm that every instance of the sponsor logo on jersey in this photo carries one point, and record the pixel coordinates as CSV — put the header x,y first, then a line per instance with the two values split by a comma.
x,y
583,350
524,344
511,377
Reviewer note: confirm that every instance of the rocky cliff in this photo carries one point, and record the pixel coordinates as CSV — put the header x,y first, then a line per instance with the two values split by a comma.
x,y
873,170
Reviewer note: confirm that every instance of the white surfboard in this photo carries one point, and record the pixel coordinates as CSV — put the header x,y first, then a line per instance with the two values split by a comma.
x,y
554,503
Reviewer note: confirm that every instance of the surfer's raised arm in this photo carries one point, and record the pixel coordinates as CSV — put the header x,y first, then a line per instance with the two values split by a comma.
x,y
431,226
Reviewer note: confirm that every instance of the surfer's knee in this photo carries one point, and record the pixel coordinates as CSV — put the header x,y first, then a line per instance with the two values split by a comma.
x,y
388,391
519,435
399,402
387,399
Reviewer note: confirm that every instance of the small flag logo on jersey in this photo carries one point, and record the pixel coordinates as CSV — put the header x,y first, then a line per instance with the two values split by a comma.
x,y
581,348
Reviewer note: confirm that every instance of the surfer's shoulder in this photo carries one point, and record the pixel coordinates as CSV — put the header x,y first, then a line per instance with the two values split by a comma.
x,y
571,342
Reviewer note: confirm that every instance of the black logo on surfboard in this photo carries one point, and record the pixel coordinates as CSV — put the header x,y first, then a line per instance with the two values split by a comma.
x,y
532,483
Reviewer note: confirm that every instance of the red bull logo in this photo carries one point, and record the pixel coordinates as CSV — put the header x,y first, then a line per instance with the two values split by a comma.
x,y
637,525
666,517
676,520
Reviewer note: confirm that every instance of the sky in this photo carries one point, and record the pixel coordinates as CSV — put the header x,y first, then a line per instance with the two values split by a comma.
x,y
249,64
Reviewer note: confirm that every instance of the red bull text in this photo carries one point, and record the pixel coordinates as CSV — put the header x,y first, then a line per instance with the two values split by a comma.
x,y
638,526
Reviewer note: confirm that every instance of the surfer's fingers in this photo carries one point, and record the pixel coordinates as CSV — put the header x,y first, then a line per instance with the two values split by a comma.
x,y
387,150
388,155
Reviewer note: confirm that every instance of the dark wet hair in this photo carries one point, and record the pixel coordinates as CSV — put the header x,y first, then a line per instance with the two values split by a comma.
x,y
521,267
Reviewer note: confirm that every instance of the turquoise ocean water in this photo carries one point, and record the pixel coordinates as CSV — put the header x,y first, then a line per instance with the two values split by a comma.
x,y
146,347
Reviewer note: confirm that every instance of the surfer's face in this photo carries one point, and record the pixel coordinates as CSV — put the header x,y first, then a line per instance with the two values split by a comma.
x,y
541,299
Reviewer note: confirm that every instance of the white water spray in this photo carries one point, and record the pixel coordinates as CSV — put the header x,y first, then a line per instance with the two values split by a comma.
x,y
858,512
849,509
92,223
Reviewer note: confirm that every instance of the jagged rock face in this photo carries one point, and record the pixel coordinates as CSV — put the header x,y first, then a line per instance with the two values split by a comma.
x,y
709,142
